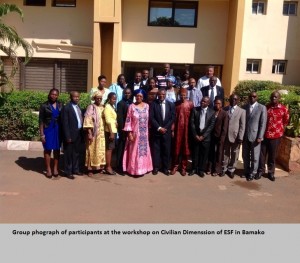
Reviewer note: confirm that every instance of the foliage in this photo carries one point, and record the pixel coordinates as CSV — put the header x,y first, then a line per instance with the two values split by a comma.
x,y
164,21
17,122
9,42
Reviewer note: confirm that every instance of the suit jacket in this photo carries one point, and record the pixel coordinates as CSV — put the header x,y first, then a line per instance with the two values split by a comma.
x,y
220,93
70,123
255,122
156,117
122,109
145,86
209,123
221,125
236,124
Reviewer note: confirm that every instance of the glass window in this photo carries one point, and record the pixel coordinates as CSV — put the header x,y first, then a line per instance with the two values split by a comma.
x,y
173,13
64,3
259,7
279,66
290,8
253,66
35,2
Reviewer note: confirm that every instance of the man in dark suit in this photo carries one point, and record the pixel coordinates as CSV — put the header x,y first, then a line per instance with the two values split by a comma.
x,y
256,120
145,80
212,90
202,123
162,116
122,108
72,121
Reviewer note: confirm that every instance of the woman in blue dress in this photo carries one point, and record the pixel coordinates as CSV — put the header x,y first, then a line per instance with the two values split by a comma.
x,y
49,119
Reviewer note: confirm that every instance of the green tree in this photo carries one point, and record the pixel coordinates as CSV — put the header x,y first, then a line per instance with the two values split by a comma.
x,y
9,42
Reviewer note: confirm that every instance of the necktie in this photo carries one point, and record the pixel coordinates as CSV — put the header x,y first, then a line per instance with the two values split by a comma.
x,y
202,119
191,94
212,96
231,110
79,114
251,108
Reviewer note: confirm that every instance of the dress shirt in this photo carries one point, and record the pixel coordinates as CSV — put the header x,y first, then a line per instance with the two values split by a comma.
x,y
202,118
78,115
195,95
204,81
252,106
209,94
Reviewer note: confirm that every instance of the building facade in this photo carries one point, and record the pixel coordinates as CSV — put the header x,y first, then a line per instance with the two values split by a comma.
x,y
75,41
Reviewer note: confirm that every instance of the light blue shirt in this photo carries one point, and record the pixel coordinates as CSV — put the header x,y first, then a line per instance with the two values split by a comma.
x,y
75,107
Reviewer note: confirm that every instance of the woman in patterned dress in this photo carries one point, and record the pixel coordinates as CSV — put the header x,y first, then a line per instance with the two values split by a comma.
x,y
95,140
137,159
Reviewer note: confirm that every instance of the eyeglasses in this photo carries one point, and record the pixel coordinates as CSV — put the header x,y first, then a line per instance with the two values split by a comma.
x,y
252,96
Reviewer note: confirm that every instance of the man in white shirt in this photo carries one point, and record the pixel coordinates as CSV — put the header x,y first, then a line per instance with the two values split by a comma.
x,y
204,81
213,90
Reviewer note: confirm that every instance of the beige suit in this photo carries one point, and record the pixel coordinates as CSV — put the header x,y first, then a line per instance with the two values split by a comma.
x,y
236,130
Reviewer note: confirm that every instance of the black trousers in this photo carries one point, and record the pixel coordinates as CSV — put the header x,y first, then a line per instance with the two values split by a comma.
x,y
200,155
120,150
268,151
71,156
162,151
216,155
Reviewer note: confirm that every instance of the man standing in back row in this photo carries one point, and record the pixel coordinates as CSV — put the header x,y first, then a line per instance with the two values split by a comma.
x,y
204,81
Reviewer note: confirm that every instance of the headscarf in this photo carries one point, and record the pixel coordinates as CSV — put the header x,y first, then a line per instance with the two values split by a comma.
x,y
140,91
171,79
96,94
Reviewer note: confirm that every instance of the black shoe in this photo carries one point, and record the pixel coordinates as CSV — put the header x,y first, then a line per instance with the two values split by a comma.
x,y
201,174
166,172
258,175
271,177
78,173
221,174
250,177
230,174
155,172
192,172
70,176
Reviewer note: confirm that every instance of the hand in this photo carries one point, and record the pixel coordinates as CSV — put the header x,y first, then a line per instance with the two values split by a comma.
x,y
43,140
111,136
90,138
173,134
130,137
69,141
198,138
259,140
201,138
162,130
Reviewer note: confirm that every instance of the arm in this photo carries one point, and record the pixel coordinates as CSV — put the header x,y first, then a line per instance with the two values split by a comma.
x,y
172,116
262,124
192,123
210,126
286,117
242,126
224,128
65,123
41,122
154,123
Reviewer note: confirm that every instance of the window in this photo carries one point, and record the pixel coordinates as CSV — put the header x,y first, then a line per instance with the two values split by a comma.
x,y
64,3
253,66
279,66
173,13
259,7
35,2
290,8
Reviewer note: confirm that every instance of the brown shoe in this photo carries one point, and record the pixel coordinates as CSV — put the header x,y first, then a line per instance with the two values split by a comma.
x,y
183,172
173,171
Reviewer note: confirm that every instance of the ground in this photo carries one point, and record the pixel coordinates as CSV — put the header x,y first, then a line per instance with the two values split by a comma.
x,y
27,196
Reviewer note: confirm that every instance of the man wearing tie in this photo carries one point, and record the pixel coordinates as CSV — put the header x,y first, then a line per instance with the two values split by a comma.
x,y
212,91
202,123
235,135
72,120
162,116
256,120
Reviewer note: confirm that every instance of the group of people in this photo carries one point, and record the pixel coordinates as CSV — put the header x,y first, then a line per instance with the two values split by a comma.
x,y
159,124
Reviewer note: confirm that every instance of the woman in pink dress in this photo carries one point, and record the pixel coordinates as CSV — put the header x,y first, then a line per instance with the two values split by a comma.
x,y
137,158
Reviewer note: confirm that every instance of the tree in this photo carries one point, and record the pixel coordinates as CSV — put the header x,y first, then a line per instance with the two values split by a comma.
x,y
9,42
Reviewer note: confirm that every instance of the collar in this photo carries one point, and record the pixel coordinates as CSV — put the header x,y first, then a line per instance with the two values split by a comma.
x,y
162,102
205,109
253,105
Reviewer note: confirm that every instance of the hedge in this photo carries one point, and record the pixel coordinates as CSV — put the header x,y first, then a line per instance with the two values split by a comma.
x,y
17,120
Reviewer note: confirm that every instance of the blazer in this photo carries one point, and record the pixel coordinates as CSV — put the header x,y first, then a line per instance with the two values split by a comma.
x,y
45,113
209,123
122,109
69,123
256,122
156,117
110,117
221,125
220,93
236,124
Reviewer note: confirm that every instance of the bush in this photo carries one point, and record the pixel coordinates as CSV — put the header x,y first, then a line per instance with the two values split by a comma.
x,y
17,122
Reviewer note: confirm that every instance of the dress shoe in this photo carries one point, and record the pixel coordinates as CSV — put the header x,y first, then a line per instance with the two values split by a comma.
x,y
249,177
155,172
271,177
48,175
230,174
173,171
78,173
183,172
192,172
70,176
221,174
166,172
258,175
201,174
214,174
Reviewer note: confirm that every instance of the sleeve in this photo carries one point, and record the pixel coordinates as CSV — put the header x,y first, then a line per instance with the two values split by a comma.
x,y
192,123
88,118
199,84
262,123
242,123
172,119
108,118
154,123
224,127
41,114
128,122
65,122
286,117
211,126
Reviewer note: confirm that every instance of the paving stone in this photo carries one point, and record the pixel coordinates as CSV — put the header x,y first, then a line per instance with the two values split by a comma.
x,y
17,145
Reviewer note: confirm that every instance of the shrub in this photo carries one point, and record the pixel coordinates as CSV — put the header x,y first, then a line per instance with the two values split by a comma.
x,y
17,122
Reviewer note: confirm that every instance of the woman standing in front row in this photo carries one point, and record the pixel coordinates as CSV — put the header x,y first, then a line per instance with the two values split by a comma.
x,y
95,141
110,116
137,159
49,118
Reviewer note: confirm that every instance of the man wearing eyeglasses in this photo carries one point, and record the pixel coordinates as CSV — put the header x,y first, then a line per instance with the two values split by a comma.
x,y
256,119
235,135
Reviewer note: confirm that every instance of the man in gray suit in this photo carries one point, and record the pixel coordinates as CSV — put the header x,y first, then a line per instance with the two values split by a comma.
x,y
235,135
256,119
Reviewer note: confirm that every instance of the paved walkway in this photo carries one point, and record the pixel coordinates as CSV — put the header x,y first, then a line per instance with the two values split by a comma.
x,y
26,196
